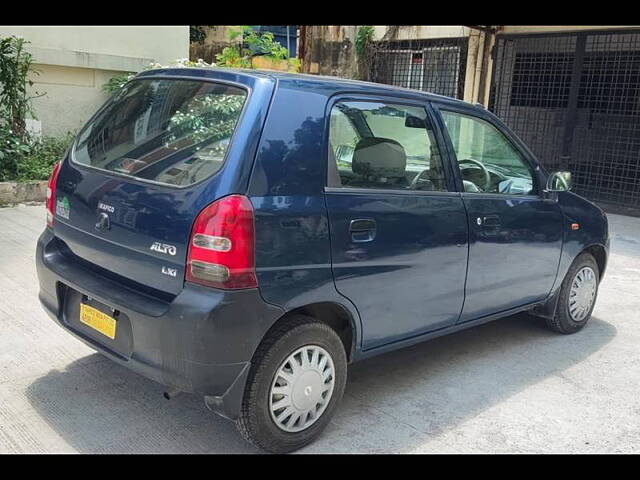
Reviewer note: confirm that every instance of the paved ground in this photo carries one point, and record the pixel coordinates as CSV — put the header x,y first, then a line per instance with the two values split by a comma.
x,y
509,386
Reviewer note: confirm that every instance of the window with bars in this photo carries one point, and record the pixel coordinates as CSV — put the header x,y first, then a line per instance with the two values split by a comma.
x,y
427,65
544,80
606,80
541,79
575,100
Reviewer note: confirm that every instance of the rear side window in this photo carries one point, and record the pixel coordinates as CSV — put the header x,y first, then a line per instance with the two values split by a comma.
x,y
170,131
383,145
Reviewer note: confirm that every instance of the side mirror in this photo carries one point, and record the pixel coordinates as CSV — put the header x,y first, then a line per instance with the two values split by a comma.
x,y
412,121
559,182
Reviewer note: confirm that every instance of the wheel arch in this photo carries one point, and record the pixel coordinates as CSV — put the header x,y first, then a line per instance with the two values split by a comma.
x,y
333,314
599,253
547,309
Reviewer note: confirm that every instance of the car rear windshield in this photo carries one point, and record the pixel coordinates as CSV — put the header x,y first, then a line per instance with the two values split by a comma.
x,y
169,131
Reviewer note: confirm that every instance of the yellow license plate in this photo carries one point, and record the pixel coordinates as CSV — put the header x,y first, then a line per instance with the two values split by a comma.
x,y
97,320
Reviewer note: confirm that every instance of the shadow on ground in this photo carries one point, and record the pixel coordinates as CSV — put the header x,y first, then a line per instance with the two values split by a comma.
x,y
418,392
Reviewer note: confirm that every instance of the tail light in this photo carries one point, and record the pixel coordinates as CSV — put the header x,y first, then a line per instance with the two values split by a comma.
x,y
51,194
222,243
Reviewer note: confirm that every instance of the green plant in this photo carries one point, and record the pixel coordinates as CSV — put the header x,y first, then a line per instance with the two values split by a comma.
x,y
261,43
253,44
363,38
196,34
295,64
12,148
230,57
43,154
15,99
15,105
30,159
116,82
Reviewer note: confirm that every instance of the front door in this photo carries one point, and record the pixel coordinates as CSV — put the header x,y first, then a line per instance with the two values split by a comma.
x,y
515,237
398,234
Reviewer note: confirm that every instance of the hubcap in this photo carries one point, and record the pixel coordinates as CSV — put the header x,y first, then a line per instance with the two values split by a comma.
x,y
582,293
301,388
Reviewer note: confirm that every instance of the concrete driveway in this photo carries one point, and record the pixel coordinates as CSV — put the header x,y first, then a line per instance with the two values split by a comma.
x,y
508,386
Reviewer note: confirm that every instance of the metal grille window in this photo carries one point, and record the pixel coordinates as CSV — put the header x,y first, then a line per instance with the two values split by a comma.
x,y
435,66
575,100
541,79
405,68
605,81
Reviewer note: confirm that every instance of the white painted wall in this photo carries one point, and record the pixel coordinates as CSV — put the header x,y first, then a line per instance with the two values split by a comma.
x,y
73,62
162,43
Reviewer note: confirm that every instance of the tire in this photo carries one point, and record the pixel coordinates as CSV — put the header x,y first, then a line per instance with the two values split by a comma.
x,y
563,320
256,422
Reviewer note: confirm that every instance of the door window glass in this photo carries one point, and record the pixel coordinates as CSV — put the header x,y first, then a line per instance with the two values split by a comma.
x,y
383,145
488,162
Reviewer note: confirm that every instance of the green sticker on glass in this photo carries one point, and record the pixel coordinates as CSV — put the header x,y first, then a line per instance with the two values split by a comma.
x,y
63,207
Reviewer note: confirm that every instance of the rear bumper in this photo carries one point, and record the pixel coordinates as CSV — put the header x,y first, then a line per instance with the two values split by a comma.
x,y
201,341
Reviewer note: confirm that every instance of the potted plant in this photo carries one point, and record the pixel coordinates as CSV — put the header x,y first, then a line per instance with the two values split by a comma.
x,y
258,50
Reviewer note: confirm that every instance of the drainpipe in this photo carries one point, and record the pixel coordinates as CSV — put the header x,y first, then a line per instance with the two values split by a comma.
x,y
488,70
478,70
472,56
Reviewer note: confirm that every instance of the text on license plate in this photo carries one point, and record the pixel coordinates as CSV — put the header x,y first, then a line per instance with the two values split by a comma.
x,y
97,320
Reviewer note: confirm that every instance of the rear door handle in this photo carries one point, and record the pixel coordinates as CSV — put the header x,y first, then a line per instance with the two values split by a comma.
x,y
489,221
362,229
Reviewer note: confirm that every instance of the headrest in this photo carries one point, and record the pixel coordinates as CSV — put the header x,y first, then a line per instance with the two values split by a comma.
x,y
381,158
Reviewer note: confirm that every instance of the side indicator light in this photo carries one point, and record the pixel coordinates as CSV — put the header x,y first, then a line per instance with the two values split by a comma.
x,y
575,226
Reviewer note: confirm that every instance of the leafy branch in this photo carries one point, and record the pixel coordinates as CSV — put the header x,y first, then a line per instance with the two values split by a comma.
x,y
253,44
15,99
364,36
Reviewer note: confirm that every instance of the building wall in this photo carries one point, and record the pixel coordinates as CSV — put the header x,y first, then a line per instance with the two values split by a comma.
x,y
73,62
330,50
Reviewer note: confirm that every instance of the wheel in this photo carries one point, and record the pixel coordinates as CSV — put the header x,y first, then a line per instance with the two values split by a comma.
x,y
577,296
296,380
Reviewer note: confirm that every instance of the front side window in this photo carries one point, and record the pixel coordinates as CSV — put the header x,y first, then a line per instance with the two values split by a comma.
x,y
487,160
170,131
383,145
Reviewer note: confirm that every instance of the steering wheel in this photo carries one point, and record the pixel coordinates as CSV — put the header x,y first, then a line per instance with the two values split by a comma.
x,y
487,176
418,178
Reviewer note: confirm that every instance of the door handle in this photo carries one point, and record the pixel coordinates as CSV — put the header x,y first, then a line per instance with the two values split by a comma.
x,y
362,229
489,225
489,221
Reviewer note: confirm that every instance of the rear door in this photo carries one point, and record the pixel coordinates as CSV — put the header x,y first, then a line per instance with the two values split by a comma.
x,y
515,236
125,201
398,232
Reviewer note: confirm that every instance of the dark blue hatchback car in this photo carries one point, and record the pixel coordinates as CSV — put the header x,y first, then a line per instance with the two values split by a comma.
x,y
244,235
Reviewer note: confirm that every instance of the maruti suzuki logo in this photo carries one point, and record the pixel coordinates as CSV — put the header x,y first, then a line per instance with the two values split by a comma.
x,y
163,248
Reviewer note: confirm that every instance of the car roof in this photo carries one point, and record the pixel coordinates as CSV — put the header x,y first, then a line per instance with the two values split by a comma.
x,y
302,81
